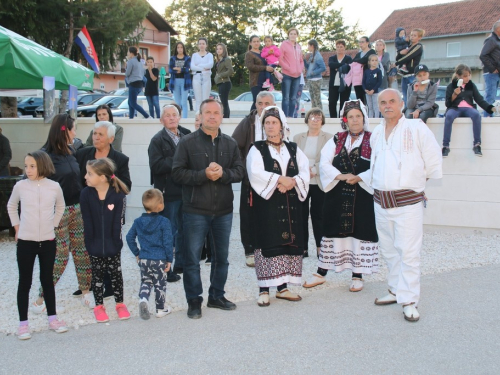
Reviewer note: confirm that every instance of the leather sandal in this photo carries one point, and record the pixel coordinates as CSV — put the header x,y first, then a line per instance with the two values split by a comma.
x,y
315,280
263,299
410,312
289,296
387,300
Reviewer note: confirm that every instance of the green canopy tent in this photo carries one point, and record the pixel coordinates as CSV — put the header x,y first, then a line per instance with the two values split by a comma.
x,y
24,63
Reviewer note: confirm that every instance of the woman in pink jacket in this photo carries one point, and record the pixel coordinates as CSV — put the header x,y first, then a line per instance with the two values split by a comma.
x,y
292,65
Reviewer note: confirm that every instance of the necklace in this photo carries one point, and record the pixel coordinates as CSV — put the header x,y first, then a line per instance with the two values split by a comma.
x,y
356,134
275,145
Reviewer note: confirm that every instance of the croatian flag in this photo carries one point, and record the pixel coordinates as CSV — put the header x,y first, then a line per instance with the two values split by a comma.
x,y
87,47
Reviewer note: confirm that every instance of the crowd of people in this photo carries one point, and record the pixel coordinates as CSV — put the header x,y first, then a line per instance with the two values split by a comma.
x,y
364,191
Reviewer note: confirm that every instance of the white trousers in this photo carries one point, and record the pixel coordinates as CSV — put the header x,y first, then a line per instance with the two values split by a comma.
x,y
400,233
202,84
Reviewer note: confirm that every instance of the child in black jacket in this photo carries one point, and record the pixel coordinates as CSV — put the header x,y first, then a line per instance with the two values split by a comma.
x,y
103,205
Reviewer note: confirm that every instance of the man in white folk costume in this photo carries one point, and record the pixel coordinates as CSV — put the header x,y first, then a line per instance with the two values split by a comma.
x,y
405,154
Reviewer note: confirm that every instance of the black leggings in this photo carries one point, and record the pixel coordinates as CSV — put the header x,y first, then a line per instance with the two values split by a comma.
x,y
111,265
26,255
333,98
224,89
317,197
255,91
360,93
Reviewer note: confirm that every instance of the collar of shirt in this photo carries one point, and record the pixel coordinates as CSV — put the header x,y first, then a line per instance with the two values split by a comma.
x,y
175,137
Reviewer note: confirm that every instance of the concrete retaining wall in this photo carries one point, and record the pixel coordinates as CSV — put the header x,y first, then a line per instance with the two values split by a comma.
x,y
466,197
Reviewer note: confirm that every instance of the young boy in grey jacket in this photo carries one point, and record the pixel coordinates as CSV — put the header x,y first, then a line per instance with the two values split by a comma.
x,y
155,256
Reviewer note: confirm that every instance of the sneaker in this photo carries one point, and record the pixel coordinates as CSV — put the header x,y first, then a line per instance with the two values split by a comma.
x,y
88,301
172,277
445,151
23,333
58,326
266,84
221,303
40,309
393,72
271,88
161,313
100,314
403,70
144,310
122,311
78,293
208,261
477,150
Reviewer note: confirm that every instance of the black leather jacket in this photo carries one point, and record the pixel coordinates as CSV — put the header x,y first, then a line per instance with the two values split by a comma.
x,y
194,154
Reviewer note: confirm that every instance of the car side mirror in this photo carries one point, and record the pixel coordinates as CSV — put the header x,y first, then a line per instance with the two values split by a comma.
x,y
111,105
31,101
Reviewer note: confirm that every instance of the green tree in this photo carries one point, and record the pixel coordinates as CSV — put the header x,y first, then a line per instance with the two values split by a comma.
x,y
114,25
315,19
225,22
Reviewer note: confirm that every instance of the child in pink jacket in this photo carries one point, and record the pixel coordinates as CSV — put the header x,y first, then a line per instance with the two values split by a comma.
x,y
271,53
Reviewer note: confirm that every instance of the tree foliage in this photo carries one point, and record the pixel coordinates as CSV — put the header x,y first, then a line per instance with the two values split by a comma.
x,y
55,23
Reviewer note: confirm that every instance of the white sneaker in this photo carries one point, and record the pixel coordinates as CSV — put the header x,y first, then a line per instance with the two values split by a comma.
x,y
41,309
161,313
356,284
23,333
88,300
411,313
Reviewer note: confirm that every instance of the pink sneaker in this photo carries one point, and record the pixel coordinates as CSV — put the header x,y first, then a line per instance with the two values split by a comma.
x,y
100,314
58,326
122,311
23,333
271,88
266,84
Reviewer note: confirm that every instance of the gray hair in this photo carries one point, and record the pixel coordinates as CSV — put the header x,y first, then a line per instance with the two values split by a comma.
x,y
264,93
167,106
106,124
496,25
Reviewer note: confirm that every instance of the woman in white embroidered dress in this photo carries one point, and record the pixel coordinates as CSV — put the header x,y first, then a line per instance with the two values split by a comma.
x,y
279,176
350,239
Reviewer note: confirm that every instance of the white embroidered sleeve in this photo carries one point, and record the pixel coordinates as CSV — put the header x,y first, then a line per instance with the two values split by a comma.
x,y
302,179
263,182
327,172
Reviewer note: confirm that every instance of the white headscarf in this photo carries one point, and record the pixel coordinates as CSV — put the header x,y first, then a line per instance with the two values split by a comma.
x,y
286,129
354,104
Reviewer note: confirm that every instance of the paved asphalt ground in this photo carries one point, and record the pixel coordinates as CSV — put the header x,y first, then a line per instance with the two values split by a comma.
x,y
332,331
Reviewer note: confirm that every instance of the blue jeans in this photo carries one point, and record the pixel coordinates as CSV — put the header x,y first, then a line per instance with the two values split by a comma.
x,y
452,114
289,89
181,96
154,104
491,84
405,81
173,212
198,226
133,92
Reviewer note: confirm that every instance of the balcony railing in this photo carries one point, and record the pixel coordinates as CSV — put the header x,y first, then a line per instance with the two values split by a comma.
x,y
154,36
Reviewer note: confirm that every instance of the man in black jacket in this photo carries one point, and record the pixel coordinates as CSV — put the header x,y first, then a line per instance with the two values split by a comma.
x,y
161,156
490,56
206,163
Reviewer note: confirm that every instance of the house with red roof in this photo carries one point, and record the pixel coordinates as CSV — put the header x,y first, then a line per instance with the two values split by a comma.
x,y
155,43
454,34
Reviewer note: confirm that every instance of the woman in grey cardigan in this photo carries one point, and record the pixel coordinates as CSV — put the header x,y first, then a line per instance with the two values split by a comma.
x,y
384,62
134,76
223,72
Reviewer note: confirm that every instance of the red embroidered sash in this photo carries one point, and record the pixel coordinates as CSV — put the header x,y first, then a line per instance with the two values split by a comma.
x,y
397,198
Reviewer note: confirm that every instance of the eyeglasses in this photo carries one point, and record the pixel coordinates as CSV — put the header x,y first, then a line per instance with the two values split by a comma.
x,y
315,118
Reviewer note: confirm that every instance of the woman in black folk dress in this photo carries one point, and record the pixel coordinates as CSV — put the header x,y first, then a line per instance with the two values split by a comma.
x,y
350,236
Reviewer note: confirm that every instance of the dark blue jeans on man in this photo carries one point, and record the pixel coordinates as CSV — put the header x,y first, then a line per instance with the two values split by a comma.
x,y
452,114
490,89
173,212
154,104
133,93
289,90
196,228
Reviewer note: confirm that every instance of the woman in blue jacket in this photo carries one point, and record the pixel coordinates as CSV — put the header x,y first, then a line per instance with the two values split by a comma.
x,y
314,67
180,78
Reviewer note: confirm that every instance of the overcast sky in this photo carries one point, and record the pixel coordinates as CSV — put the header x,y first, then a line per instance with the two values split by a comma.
x,y
369,13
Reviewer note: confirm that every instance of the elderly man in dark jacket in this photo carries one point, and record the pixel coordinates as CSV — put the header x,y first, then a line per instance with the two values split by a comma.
x,y
207,163
246,133
161,157
490,56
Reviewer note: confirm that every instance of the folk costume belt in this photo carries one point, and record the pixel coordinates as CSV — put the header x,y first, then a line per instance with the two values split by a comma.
x,y
397,198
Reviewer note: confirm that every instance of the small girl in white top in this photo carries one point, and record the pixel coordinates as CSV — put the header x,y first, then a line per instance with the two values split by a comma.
x,y
43,206
202,63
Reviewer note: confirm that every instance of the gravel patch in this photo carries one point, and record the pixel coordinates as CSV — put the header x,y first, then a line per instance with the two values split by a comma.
x,y
442,252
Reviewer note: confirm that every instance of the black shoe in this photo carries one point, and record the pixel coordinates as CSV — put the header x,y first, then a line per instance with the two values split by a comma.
x,y
194,308
178,270
221,303
208,261
445,151
477,150
173,277
78,293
